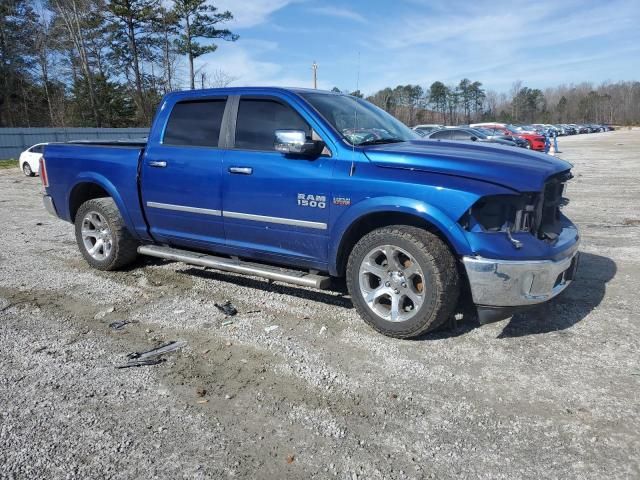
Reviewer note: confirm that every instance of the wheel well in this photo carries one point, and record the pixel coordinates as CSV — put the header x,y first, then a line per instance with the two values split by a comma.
x,y
83,192
370,222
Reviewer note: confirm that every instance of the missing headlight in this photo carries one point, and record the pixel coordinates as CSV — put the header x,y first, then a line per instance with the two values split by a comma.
x,y
499,213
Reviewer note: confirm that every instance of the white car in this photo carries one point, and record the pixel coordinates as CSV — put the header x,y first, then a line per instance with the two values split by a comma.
x,y
30,159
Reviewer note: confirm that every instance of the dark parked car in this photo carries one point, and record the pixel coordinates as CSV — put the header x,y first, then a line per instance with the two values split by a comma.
x,y
519,141
466,135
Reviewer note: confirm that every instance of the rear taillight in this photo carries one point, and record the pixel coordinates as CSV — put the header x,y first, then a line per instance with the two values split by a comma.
x,y
43,173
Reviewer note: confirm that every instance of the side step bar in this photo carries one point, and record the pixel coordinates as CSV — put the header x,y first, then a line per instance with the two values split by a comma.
x,y
294,277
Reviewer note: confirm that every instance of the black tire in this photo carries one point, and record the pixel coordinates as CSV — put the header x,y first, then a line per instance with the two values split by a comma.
x,y
124,247
26,169
440,289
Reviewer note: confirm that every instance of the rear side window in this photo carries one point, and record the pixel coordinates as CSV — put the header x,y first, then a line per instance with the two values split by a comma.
x,y
258,119
442,134
195,123
37,149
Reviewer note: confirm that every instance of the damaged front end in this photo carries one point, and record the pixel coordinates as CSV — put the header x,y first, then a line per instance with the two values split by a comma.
x,y
535,213
525,249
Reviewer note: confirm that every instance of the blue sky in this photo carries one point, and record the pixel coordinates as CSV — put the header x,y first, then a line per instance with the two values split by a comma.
x,y
543,43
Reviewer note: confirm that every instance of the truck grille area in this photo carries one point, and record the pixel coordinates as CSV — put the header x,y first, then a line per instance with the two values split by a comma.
x,y
549,207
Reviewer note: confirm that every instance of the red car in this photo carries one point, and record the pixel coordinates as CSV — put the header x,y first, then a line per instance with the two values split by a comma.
x,y
535,140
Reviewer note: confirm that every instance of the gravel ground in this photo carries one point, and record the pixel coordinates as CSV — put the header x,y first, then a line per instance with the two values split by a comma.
x,y
551,393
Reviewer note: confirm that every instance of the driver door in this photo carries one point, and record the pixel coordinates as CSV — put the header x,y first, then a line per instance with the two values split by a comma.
x,y
274,203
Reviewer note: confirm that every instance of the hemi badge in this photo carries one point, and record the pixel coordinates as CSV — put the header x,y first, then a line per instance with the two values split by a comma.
x,y
343,201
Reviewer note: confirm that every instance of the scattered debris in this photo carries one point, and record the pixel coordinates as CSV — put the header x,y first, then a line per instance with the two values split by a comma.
x,y
271,328
227,308
322,330
206,400
179,312
201,391
228,397
291,458
152,357
120,324
227,322
228,344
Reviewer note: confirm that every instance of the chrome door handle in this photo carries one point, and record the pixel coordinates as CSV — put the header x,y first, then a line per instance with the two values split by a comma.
x,y
241,170
157,164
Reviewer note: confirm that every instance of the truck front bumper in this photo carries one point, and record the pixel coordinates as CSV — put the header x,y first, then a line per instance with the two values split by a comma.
x,y
498,287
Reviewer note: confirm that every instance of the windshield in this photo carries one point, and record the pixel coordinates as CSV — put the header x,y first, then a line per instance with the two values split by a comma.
x,y
358,121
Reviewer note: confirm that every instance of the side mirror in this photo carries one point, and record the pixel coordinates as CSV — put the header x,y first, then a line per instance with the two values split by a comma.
x,y
473,139
294,142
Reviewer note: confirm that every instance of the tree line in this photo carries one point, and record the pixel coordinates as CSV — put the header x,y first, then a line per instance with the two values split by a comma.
x,y
101,63
469,101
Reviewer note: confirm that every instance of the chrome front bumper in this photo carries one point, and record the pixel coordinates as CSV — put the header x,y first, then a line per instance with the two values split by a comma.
x,y
507,283
48,204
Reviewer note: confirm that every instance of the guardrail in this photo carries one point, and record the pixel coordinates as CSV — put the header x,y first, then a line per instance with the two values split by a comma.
x,y
13,141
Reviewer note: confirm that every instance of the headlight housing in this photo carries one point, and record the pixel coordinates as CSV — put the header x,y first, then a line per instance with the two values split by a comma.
x,y
502,213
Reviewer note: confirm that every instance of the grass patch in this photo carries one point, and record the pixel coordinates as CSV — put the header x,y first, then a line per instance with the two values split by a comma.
x,y
11,163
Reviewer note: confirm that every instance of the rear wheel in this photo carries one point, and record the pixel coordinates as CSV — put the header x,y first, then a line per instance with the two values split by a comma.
x,y
403,280
102,236
26,169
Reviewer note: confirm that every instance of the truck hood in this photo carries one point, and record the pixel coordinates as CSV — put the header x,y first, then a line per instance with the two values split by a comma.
x,y
515,168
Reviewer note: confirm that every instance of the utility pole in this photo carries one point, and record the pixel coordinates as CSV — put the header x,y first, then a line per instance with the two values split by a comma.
x,y
315,74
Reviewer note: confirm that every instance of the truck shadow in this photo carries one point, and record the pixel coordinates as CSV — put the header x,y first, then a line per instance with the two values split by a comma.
x,y
570,307
337,295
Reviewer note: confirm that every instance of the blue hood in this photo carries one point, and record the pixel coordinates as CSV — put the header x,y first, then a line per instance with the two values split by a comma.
x,y
515,168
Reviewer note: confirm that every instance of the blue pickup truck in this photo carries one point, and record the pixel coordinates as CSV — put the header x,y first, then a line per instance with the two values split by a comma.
x,y
300,186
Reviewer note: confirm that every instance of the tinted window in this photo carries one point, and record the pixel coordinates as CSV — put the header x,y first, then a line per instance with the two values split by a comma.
x,y
460,135
258,119
441,135
37,149
195,123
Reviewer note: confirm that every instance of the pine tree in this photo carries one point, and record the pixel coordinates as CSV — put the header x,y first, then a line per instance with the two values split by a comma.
x,y
199,21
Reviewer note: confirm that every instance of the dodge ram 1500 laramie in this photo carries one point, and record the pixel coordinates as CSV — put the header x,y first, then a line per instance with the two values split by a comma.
x,y
301,186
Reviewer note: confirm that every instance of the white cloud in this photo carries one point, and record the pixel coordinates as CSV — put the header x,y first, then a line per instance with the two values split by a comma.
x,y
249,13
243,61
338,12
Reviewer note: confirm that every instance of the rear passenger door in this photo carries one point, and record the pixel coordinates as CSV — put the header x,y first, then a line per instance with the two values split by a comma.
x,y
181,176
275,204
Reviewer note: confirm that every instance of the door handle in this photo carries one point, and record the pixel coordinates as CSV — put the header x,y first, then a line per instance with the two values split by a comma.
x,y
157,163
241,170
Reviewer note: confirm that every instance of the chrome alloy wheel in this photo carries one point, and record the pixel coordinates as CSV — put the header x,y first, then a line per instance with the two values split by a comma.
x,y
392,283
96,236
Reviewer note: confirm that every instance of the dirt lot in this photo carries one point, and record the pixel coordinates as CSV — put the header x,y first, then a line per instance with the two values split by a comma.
x,y
553,393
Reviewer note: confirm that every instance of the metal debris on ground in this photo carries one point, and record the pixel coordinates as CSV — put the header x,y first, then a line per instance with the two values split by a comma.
x,y
227,322
322,330
120,324
271,328
152,357
227,308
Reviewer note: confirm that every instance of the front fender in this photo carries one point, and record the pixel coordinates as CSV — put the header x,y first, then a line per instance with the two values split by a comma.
x,y
101,181
449,228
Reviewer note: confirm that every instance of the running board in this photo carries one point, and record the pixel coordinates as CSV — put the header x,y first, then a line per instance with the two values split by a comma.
x,y
295,277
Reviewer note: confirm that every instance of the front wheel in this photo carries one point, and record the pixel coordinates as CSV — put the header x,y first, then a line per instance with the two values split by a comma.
x,y
403,280
102,236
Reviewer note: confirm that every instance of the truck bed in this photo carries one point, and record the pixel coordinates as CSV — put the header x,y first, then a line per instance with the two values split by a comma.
x,y
109,165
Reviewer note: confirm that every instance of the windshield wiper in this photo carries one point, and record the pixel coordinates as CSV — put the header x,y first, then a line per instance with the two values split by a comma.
x,y
379,141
